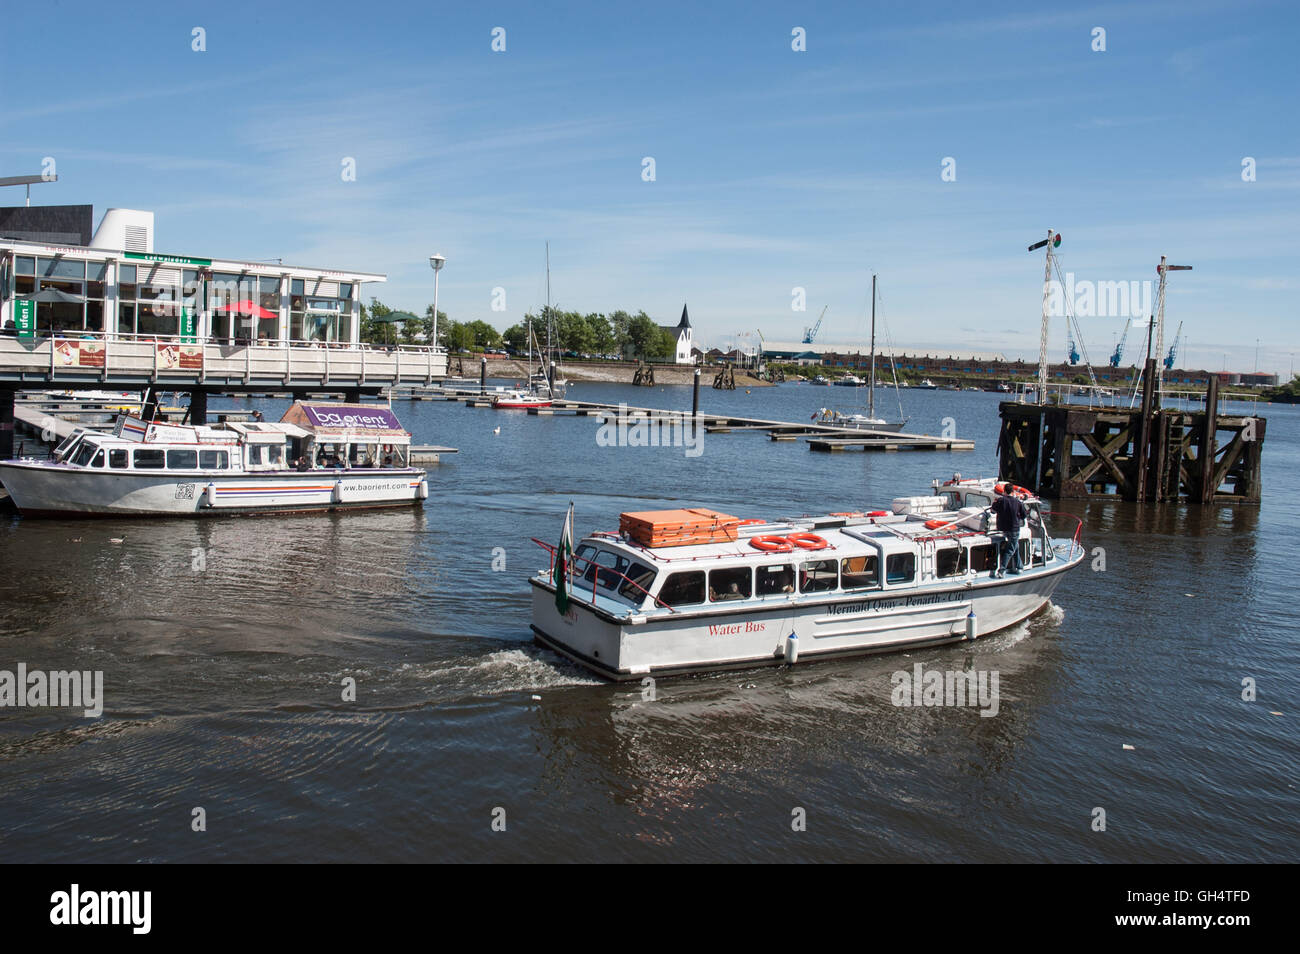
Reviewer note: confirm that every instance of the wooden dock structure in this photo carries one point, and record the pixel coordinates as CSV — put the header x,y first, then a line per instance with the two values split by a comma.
x,y
819,437
1152,454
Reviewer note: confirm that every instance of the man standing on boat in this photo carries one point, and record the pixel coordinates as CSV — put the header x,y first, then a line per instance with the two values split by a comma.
x,y
1011,513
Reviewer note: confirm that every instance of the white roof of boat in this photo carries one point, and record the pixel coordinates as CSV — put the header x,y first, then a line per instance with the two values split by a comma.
x,y
846,536
267,431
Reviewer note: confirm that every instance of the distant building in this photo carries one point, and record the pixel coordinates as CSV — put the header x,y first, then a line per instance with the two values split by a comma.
x,y
682,332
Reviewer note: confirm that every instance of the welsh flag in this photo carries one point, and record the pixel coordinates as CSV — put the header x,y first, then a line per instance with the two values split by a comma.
x,y
564,564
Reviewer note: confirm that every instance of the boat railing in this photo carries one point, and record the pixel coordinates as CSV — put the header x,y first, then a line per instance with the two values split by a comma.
x,y
696,558
595,577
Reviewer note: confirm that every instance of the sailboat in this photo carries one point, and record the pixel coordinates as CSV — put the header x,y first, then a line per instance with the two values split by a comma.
x,y
522,398
546,380
854,417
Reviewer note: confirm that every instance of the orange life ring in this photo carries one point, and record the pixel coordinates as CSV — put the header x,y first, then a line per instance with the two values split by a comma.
x,y
878,513
936,524
847,514
750,521
807,541
771,543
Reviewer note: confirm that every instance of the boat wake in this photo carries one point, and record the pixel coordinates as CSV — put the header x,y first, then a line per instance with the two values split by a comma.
x,y
511,670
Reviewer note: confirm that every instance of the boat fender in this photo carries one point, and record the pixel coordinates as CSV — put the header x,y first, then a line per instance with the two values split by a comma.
x,y
337,495
792,649
423,490
808,541
210,495
970,624
771,544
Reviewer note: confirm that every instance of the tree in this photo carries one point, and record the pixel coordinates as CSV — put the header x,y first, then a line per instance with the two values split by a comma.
x,y
372,331
645,339
601,333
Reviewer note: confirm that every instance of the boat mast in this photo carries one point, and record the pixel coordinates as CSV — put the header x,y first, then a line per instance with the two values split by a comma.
x,y
546,365
871,408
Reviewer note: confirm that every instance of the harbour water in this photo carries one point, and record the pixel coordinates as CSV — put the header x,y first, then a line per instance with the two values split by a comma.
x,y
226,646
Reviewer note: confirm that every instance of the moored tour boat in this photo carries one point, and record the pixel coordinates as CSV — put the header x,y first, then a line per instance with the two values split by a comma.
x,y
319,456
686,591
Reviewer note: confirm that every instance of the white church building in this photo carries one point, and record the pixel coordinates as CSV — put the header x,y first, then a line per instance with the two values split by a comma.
x,y
682,332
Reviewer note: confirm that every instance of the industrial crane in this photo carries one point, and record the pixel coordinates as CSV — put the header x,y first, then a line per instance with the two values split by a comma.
x,y
1119,348
1073,356
810,333
1173,349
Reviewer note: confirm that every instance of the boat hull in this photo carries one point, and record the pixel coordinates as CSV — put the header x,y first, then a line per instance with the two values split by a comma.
x,y
842,625
47,489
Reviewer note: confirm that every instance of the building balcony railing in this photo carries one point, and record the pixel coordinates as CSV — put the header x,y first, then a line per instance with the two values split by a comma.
x,y
83,356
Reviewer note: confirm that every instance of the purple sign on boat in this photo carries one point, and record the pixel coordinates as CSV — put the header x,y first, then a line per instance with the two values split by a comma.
x,y
367,418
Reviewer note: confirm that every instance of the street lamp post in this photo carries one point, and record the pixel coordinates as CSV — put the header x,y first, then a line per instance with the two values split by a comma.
x,y
436,262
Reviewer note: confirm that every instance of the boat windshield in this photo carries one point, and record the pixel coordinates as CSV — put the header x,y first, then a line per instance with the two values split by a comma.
x,y
65,446
84,453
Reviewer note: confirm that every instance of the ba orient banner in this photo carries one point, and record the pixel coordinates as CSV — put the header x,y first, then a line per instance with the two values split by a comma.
x,y
172,357
79,354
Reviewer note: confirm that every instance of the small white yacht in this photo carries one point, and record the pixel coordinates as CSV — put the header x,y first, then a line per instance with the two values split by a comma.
x,y
319,456
685,591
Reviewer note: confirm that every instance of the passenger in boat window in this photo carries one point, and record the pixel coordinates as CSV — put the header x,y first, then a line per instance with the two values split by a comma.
x,y
736,583
773,580
982,558
859,573
818,576
637,585
900,567
117,459
683,589
275,454
950,561
303,464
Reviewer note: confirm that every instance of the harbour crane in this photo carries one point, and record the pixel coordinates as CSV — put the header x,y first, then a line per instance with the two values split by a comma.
x,y
810,333
1073,356
1173,349
1119,348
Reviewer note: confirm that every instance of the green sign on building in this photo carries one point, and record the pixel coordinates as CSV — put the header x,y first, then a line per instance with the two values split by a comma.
x,y
188,335
167,259
25,318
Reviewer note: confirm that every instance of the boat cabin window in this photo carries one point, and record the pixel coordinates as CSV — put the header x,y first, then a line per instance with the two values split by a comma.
x,y
637,585
214,460
950,561
182,459
117,458
606,569
682,589
1031,552
983,559
84,453
860,572
98,461
775,580
818,576
900,567
735,583
149,458
65,445
974,499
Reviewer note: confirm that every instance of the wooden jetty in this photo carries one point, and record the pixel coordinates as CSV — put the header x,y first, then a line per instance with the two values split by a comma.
x,y
819,437
1152,454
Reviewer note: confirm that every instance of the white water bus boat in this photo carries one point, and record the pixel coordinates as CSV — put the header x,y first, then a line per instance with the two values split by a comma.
x,y
713,592
319,456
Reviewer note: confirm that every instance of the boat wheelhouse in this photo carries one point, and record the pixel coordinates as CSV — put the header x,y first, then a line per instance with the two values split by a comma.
x,y
708,591
319,456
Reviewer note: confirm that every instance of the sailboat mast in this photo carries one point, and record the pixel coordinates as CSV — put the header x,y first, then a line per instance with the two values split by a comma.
x,y
546,365
871,408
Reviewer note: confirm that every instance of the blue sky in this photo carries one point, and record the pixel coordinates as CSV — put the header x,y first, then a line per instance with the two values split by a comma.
x,y
774,169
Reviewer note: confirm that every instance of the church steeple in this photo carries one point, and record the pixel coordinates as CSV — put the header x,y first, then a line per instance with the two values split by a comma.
x,y
686,319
